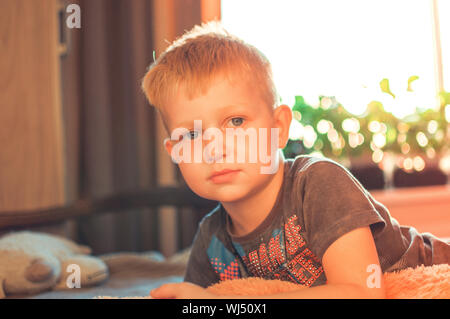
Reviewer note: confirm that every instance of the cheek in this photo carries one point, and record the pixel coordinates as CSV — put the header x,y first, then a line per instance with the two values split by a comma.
x,y
267,145
193,174
272,140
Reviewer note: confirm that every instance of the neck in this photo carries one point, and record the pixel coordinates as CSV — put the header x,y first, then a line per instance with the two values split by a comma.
x,y
247,214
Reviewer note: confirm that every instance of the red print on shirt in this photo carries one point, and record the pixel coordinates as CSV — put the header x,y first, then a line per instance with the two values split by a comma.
x,y
226,272
291,264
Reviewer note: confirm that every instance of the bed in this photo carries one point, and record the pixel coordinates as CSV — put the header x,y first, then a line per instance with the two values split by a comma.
x,y
130,273
135,274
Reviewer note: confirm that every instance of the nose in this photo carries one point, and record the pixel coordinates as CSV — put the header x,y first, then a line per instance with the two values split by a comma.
x,y
38,271
213,145
214,154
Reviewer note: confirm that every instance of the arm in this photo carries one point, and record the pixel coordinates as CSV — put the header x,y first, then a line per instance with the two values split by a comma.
x,y
345,264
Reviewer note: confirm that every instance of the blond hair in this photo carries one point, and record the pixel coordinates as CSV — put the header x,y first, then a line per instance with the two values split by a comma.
x,y
194,59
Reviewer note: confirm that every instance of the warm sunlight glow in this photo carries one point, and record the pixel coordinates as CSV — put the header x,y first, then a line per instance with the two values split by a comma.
x,y
344,48
444,21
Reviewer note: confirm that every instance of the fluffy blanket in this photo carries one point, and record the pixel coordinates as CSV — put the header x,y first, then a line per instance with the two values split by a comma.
x,y
423,282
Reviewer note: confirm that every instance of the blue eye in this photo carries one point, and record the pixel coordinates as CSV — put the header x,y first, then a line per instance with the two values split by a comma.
x,y
237,121
192,135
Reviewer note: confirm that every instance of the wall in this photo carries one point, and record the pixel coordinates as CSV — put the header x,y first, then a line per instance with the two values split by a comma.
x,y
31,139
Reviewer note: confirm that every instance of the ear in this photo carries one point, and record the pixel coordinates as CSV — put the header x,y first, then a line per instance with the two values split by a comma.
x,y
283,119
168,145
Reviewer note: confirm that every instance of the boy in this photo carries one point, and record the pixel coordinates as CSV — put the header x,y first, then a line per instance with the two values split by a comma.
x,y
306,220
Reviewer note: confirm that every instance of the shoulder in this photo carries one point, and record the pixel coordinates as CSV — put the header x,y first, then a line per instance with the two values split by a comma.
x,y
305,166
313,175
212,222
209,227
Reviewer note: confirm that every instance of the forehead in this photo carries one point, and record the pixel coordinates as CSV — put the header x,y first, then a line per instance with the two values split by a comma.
x,y
220,98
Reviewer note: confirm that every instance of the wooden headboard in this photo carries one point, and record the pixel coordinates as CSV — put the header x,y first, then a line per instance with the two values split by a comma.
x,y
153,198
425,208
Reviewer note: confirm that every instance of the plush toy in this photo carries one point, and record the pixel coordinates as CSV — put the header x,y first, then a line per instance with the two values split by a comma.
x,y
32,262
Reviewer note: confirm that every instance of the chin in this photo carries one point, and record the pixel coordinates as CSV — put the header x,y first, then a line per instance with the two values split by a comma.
x,y
226,194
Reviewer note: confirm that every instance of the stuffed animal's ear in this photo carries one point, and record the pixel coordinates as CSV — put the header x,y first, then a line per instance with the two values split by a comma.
x,y
84,250
39,271
2,292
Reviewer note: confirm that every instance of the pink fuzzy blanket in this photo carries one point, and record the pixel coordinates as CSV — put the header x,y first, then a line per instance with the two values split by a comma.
x,y
423,282
432,282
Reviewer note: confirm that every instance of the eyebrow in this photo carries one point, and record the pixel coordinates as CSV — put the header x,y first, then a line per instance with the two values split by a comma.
x,y
239,108
222,110
185,124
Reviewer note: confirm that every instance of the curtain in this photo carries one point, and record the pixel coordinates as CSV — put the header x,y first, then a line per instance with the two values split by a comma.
x,y
111,132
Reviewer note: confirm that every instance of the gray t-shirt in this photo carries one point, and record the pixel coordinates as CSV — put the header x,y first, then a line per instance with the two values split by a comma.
x,y
319,201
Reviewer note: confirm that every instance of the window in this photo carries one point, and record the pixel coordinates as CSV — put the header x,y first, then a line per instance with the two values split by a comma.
x,y
345,48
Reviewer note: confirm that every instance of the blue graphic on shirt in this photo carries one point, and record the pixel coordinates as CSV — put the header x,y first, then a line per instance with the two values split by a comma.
x,y
222,260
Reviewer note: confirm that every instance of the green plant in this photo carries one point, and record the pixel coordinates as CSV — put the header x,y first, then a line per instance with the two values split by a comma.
x,y
329,129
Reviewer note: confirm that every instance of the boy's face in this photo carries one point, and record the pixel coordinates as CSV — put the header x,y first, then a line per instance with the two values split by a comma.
x,y
225,107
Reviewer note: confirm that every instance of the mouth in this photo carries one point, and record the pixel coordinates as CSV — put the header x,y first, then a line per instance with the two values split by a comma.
x,y
223,175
